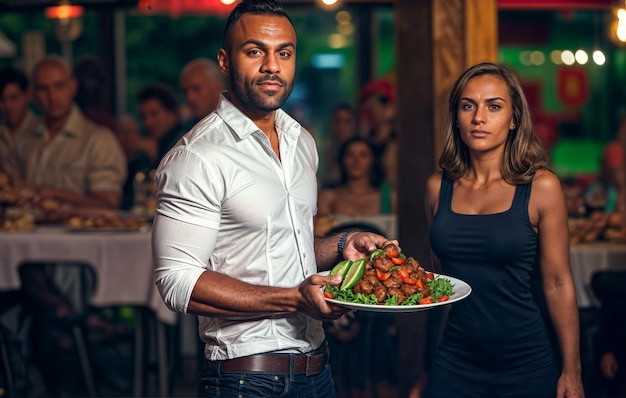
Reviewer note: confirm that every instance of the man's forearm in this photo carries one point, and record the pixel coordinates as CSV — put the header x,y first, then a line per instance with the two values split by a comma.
x,y
326,253
221,296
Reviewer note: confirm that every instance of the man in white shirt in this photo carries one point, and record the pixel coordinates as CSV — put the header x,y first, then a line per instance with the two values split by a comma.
x,y
71,160
233,235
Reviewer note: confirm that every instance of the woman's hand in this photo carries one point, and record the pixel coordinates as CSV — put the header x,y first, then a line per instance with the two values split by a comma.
x,y
570,386
608,365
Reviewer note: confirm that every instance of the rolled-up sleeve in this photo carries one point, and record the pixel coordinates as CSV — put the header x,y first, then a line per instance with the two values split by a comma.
x,y
186,224
180,251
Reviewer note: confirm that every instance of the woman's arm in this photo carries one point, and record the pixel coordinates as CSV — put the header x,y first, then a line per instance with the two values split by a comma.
x,y
549,213
433,186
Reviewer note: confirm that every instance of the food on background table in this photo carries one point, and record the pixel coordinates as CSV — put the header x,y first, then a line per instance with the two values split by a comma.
x,y
14,223
104,221
598,226
388,277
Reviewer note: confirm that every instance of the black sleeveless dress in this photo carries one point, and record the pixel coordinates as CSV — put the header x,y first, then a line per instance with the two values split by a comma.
x,y
495,342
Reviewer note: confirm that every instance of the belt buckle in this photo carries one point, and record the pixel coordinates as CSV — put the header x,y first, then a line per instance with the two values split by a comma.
x,y
307,366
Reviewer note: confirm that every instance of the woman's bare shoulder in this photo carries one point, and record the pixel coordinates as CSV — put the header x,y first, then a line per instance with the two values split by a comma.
x,y
434,181
546,182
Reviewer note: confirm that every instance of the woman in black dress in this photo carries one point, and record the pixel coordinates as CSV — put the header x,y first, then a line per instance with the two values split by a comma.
x,y
498,220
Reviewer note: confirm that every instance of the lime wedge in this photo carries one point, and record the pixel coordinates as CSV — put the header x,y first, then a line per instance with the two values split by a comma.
x,y
341,268
354,274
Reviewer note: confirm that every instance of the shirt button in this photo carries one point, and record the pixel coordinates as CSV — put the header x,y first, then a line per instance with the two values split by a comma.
x,y
303,255
276,378
298,232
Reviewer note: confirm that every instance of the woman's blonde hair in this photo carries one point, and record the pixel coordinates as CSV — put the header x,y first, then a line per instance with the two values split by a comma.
x,y
523,152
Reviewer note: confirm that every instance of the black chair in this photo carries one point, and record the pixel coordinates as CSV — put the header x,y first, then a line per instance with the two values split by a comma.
x,y
42,294
609,287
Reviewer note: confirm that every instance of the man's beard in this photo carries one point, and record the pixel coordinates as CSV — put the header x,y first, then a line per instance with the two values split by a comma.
x,y
256,100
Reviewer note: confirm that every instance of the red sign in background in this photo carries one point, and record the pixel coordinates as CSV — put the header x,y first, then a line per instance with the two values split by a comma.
x,y
572,86
178,7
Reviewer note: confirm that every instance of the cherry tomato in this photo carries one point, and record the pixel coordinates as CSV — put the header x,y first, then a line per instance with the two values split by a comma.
x,y
398,260
329,295
382,276
409,281
426,300
430,275
443,298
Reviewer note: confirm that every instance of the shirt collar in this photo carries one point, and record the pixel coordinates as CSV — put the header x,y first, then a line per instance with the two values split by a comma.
x,y
73,126
244,126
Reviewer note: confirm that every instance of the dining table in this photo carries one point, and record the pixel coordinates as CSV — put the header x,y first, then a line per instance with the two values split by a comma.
x,y
122,261
588,258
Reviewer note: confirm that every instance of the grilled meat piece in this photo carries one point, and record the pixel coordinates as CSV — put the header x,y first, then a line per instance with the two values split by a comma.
x,y
394,280
370,276
394,291
363,286
381,293
383,263
409,289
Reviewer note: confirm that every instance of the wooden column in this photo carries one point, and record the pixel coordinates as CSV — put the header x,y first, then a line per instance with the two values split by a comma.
x,y
436,40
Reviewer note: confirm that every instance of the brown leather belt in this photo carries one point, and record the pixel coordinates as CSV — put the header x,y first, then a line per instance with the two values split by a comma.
x,y
308,364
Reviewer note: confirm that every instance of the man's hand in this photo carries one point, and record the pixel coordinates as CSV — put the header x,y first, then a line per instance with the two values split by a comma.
x,y
312,300
362,244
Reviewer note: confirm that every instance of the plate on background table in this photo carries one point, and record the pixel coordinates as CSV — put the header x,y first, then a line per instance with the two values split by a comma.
x,y
461,290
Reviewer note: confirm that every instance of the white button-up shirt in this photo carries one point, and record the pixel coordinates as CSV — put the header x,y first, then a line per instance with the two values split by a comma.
x,y
228,204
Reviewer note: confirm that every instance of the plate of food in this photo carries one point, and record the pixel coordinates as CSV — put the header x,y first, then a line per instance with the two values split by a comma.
x,y
389,281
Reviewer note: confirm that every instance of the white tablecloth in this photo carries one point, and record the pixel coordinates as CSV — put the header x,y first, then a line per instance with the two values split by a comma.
x,y
588,258
122,261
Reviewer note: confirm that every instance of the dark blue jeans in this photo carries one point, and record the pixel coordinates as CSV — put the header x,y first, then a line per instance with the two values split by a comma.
x,y
217,384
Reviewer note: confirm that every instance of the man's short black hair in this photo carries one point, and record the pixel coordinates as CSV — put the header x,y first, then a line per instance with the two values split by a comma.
x,y
255,7
162,93
12,75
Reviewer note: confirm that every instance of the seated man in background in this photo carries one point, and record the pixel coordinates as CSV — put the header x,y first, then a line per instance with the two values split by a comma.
x,y
16,116
160,115
71,159
202,83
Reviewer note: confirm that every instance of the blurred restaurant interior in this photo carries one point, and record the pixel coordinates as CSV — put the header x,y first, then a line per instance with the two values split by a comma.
x,y
570,56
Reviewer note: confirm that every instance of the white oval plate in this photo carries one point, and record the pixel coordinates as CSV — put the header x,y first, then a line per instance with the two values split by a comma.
x,y
461,291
